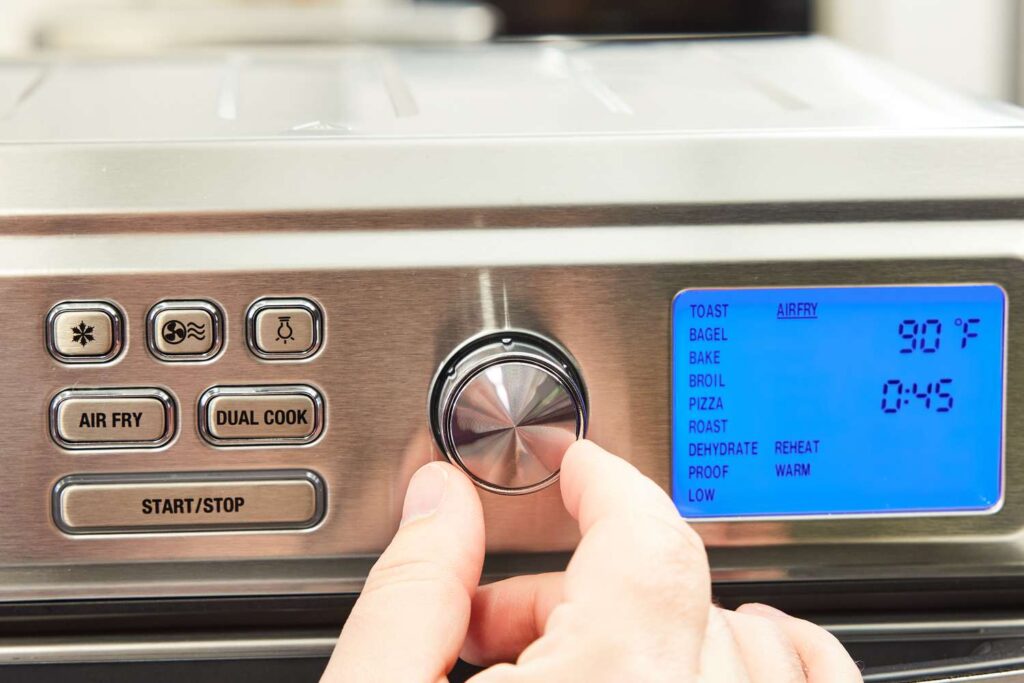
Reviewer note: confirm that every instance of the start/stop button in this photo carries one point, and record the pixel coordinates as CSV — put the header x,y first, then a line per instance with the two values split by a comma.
x,y
276,415
188,502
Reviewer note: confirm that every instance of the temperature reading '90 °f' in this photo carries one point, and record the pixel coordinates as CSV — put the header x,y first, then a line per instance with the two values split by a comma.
x,y
926,336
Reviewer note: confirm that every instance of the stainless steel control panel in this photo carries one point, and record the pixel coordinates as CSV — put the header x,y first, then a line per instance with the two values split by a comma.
x,y
116,472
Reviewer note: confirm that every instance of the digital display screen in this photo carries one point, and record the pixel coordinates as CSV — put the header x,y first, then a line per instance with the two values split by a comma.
x,y
837,400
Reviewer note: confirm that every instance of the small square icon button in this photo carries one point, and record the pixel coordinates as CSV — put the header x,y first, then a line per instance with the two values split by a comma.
x,y
185,330
283,329
84,332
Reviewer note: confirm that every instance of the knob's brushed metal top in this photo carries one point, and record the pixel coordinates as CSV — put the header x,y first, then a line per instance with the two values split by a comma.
x,y
512,423
507,408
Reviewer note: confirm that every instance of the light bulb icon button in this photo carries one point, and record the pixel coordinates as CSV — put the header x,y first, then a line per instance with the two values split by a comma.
x,y
284,329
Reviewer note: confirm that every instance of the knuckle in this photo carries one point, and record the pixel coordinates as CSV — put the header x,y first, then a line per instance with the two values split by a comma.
x,y
819,636
669,563
675,544
792,668
826,635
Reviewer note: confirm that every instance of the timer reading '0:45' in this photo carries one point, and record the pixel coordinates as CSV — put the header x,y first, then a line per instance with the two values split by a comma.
x,y
934,395
925,337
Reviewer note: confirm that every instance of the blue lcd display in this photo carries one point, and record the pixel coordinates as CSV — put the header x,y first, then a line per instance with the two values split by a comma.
x,y
838,400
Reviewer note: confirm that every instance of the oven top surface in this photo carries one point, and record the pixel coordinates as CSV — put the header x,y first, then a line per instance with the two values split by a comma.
x,y
562,124
526,89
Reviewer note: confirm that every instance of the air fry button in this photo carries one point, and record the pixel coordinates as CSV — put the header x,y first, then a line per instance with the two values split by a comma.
x,y
112,418
277,415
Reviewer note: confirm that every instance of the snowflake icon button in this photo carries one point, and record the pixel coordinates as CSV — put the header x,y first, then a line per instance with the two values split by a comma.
x,y
84,332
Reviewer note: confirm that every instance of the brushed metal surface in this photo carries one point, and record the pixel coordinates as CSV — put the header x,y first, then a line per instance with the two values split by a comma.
x,y
1015,676
395,305
258,644
190,646
1011,672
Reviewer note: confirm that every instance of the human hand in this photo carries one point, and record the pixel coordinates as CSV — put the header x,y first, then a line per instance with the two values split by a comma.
x,y
634,603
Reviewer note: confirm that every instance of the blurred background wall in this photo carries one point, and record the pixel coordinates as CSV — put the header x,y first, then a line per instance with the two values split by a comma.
x,y
972,45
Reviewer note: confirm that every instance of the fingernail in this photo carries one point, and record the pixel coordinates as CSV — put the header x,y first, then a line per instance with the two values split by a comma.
x,y
766,611
426,490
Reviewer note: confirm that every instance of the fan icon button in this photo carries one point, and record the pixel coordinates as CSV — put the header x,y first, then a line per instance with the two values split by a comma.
x,y
185,330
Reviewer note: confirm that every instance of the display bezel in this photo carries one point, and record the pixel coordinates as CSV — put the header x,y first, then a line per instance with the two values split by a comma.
x,y
994,509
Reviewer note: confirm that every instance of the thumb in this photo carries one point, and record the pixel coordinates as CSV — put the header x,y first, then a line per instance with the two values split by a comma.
x,y
411,619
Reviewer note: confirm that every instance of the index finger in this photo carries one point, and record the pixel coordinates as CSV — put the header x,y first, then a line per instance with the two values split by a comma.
x,y
639,570
638,560
597,485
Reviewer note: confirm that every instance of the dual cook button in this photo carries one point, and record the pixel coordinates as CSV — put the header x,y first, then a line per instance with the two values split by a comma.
x,y
278,415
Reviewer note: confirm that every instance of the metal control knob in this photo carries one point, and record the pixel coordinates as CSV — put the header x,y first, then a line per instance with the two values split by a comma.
x,y
505,408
